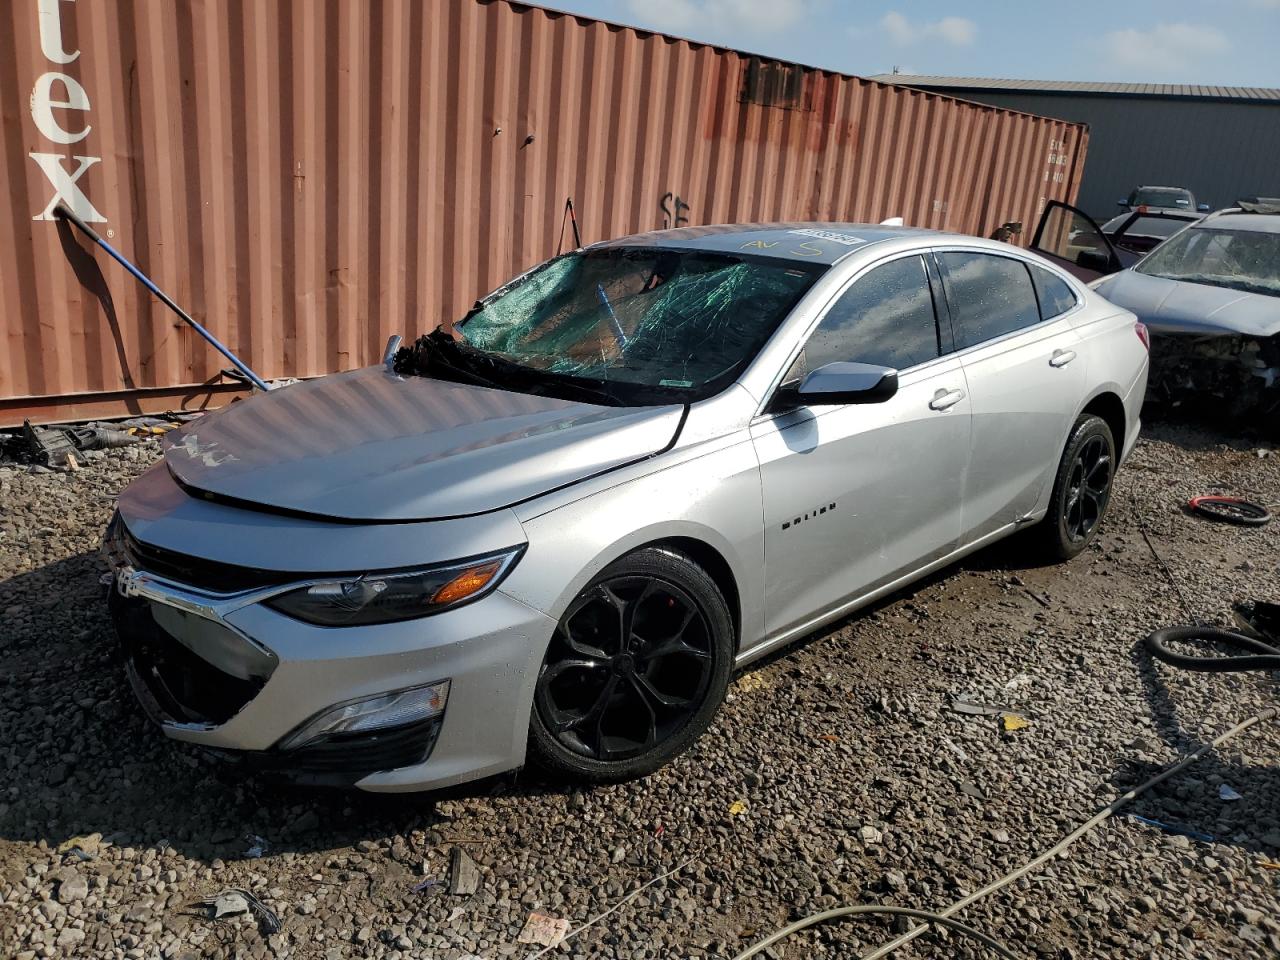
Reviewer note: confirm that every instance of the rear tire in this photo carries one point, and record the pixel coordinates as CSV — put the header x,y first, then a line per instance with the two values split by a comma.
x,y
635,672
1081,490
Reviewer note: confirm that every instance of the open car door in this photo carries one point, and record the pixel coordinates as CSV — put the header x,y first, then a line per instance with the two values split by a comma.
x,y
1070,238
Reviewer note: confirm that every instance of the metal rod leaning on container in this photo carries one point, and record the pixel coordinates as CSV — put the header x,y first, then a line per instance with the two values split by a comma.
x,y
63,212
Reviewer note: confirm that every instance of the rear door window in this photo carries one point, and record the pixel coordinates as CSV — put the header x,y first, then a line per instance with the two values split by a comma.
x,y
1055,297
886,317
989,296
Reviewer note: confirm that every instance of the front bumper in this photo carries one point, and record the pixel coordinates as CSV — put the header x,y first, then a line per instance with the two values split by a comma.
x,y
225,672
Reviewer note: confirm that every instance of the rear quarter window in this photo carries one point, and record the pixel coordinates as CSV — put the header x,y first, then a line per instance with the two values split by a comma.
x,y
1056,298
989,296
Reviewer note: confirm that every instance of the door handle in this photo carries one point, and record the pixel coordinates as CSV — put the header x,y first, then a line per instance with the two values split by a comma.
x,y
945,398
1061,358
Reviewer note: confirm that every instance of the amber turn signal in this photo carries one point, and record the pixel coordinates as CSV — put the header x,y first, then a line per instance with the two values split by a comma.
x,y
469,581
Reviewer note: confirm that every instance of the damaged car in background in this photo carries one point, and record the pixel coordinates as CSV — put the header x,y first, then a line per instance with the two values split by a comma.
x,y
1209,294
554,528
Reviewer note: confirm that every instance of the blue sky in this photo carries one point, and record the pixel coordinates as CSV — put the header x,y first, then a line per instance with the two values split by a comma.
x,y
1229,42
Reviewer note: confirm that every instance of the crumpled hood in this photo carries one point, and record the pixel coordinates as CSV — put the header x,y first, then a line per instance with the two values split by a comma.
x,y
372,445
1179,306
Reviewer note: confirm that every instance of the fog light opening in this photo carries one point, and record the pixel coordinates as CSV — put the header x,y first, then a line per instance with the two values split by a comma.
x,y
399,708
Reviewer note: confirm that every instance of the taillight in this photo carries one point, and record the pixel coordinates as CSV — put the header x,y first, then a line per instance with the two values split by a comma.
x,y
1143,333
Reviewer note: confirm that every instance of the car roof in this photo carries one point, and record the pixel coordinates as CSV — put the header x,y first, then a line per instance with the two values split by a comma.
x,y
1239,220
1155,213
802,242
1156,186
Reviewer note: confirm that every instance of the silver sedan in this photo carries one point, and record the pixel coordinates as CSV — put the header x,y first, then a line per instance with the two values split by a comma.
x,y
553,529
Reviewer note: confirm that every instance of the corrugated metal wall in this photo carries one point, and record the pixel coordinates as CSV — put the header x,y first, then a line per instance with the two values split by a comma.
x,y
310,177
1220,150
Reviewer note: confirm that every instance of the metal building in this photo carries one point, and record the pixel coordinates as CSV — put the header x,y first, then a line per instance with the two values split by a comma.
x,y
307,178
1221,143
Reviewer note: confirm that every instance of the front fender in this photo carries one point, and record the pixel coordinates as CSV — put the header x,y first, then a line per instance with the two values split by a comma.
x,y
714,500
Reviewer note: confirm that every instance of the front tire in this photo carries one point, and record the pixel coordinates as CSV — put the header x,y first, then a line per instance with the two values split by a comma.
x,y
635,671
1081,489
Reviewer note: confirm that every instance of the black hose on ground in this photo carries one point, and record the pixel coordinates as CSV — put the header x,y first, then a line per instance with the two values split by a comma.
x,y
1264,656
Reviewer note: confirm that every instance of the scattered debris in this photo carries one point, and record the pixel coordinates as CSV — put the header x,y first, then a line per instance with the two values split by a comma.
x,y
1043,601
967,705
750,682
566,935
90,844
1174,828
229,904
426,884
954,748
234,901
971,789
1260,618
257,846
737,807
1011,722
1018,682
1243,513
543,930
464,875
1228,792
57,446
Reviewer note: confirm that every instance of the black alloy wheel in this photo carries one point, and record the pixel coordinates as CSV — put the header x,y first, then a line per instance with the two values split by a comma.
x,y
1081,490
1088,488
636,668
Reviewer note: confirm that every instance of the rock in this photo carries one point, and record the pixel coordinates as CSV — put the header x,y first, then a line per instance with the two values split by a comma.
x,y
1247,932
464,876
870,834
73,937
72,887
307,822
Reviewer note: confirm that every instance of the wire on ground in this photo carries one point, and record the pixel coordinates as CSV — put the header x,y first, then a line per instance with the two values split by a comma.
x,y
1063,844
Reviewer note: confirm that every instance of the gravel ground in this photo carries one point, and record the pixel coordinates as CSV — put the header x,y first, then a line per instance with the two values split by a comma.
x,y
852,779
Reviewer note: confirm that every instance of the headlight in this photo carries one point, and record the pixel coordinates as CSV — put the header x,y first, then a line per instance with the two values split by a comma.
x,y
387,597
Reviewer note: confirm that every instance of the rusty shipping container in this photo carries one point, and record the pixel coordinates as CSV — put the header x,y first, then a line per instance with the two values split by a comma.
x,y
310,177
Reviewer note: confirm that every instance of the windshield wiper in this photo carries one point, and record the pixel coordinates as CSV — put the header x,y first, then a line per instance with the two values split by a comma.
x,y
436,353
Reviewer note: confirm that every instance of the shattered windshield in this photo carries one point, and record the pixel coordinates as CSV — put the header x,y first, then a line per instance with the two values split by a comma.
x,y
640,325
1245,260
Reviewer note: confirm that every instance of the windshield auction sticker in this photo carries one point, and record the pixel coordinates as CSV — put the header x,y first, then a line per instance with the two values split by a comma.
x,y
848,239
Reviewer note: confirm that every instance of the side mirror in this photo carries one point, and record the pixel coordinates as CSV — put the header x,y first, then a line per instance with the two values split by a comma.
x,y
1093,260
839,383
1202,207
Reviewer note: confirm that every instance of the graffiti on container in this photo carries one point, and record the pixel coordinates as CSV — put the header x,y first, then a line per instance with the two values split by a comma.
x,y
55,90
673,209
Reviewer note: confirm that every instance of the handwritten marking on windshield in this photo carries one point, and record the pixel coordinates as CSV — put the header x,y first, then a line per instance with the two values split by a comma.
x,y
808,249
